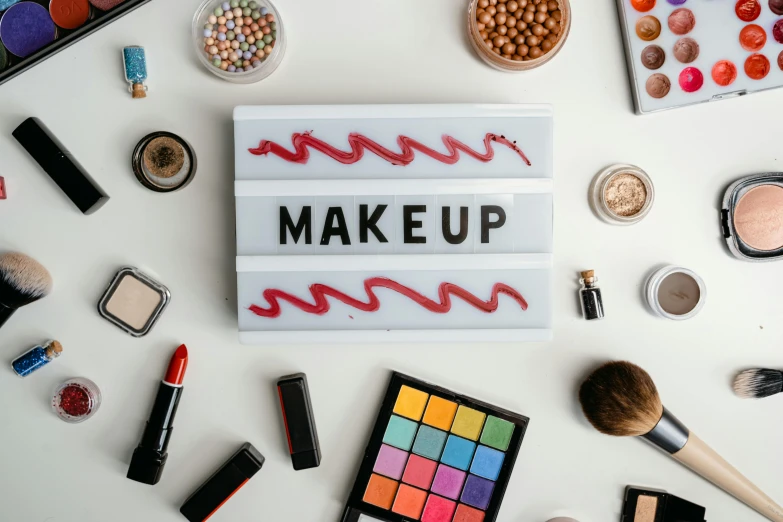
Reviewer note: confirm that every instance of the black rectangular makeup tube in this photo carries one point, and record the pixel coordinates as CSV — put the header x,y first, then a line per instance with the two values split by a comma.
x,y
299,421
57,162
223,484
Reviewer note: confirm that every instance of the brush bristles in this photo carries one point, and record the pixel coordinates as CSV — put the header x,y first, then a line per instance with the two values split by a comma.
x,y
22,280
758,383
620,399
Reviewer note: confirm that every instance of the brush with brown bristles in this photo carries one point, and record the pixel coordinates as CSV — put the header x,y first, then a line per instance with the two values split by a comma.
x,y
23,280
621,399
758,383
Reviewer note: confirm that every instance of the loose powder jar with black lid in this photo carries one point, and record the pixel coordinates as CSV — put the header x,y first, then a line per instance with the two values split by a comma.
x,y
164,162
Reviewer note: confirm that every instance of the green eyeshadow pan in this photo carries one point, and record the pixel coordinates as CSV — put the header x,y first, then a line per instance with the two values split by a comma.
x,y
400,433
497,433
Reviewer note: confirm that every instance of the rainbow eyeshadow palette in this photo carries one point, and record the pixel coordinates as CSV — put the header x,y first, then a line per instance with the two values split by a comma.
x,y
682,52
33,30
435,456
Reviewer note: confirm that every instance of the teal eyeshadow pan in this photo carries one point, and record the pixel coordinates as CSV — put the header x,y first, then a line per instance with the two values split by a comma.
x,y
429,442
400,432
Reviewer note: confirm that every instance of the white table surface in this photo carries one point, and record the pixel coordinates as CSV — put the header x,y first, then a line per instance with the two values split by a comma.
x,y
347,51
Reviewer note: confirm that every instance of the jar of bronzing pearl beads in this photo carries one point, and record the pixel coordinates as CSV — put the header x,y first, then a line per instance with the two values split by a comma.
x,y
518,35
242,41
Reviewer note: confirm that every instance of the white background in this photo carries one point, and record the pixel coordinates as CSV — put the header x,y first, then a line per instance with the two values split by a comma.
x,y
348,51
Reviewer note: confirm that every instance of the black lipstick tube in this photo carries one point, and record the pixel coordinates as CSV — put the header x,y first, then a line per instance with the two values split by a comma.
x,y
150,456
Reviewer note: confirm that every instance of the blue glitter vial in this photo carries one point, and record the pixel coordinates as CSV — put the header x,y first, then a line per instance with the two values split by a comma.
x,y
36,358
135,62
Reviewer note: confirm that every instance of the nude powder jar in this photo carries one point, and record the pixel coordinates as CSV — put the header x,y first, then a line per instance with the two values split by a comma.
x,y
622,194
752,217
134,301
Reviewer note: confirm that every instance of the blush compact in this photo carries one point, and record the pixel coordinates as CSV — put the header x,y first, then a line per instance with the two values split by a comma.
x,y
752,217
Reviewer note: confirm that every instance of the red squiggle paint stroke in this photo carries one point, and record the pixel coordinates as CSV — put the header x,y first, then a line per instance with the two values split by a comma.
x,y
359,143
445,291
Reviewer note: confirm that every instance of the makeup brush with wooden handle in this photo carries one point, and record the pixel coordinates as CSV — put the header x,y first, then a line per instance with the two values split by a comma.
x,y
621,399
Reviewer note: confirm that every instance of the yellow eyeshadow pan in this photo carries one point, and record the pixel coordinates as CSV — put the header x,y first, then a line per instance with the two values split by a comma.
x,y
435,456
410,403
468,423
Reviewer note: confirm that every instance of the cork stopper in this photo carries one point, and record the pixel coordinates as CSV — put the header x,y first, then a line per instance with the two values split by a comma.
x,y
54,349
588,274
138,91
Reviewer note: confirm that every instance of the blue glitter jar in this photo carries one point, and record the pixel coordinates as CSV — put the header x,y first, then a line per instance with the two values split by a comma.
x,y
36,358
135,62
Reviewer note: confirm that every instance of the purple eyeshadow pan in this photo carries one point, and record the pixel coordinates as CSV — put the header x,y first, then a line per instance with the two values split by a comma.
x,y
477,492
448,482
25,28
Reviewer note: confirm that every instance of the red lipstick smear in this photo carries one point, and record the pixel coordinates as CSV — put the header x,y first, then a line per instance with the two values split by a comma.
x,y
179,363
445,291
359,143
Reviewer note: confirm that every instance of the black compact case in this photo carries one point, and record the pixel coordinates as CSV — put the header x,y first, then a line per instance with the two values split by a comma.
x,y
299,421
66,37
58,163
668,508
223,484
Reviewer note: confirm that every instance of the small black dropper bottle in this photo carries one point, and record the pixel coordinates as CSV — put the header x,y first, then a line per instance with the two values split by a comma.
x,y
590,296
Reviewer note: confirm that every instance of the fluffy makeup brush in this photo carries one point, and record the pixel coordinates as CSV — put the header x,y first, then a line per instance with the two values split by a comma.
x,y
621,399
23,280
758,383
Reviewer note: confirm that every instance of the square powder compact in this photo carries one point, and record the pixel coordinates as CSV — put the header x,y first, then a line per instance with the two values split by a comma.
x,y
435,456
134,301
752,217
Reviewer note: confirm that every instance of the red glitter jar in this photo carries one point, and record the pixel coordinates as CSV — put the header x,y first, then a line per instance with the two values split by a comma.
x,y
76,400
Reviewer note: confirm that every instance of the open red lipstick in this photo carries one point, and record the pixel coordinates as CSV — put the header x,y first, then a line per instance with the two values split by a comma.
x,y
150,457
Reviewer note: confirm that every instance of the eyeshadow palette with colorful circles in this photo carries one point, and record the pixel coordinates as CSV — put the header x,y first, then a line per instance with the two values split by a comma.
x,y
435,456
682,52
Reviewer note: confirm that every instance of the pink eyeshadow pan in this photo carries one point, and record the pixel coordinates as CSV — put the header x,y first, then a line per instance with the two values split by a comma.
x,y
106,5
390,462
438,509
448,482
419,472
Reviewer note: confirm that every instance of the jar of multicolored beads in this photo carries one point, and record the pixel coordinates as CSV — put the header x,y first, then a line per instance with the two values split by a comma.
x,y
242,41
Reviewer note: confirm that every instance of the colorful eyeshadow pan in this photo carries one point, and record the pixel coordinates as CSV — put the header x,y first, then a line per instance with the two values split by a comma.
x,y
410,403
448,482
409,502
419,472
468,514
435,456
400,433
477,492
25,28
380,491
459,452
468,423
429,442
440,413
390,462
438,509
682,52
487,463
497,433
